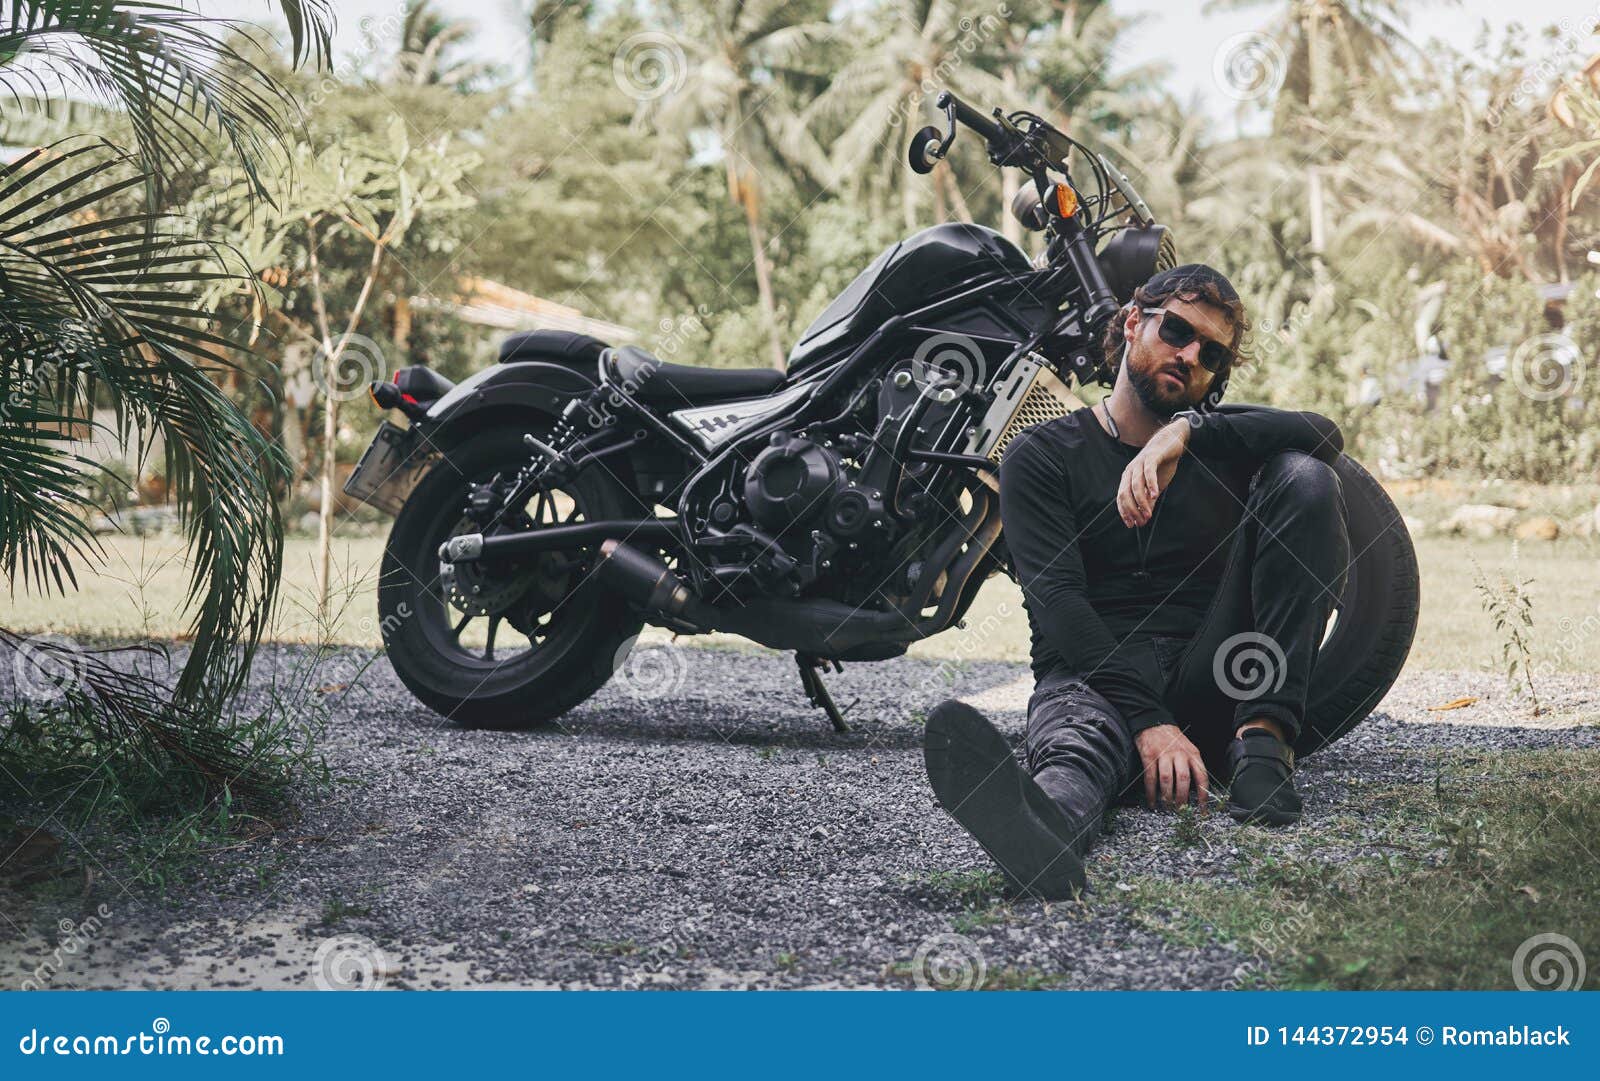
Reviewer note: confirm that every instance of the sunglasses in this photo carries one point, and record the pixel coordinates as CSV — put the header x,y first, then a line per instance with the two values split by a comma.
x,y
1178,332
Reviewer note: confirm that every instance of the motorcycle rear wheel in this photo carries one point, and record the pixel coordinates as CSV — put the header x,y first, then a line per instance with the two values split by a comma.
x,y
571,649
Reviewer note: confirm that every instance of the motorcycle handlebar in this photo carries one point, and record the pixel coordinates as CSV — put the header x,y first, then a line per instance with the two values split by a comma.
x,y
972,118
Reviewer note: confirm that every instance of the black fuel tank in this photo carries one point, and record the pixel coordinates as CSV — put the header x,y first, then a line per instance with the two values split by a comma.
x,y
906,277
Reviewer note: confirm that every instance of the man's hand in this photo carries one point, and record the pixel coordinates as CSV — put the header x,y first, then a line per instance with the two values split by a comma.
x,y
1148,475
1172,764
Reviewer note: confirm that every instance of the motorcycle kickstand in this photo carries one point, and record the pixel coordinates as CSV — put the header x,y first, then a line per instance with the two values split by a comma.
x,y
811,679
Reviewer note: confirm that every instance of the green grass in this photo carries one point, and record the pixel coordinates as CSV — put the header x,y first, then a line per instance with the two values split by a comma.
x,y
968,888
337,908
134,598
1500,849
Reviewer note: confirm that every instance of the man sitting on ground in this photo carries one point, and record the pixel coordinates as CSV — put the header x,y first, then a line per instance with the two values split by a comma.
x,y
1160,543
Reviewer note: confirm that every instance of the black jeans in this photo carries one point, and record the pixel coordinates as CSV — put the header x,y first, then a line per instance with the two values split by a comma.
x,y
1254,654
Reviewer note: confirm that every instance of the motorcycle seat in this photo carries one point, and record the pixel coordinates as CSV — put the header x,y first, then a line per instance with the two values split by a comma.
x,y
565,347
650,379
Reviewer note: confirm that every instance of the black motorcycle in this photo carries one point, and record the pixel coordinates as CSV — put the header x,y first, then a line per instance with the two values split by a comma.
x,y
842,509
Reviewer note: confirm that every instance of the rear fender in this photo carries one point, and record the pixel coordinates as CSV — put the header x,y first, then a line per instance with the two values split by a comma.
x,y
529,395
505,389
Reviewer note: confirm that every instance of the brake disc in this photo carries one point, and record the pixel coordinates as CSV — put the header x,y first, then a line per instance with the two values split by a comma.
x,y
487,587
523,590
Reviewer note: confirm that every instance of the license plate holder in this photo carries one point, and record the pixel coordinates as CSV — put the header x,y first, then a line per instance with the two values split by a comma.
x,y
387,471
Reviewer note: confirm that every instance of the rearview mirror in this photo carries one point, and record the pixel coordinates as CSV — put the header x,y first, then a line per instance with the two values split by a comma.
x,y
924,154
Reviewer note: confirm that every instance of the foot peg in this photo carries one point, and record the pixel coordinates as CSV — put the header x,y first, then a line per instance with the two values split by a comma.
x,y
811,669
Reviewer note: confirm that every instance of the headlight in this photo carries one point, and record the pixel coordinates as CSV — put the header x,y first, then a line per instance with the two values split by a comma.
x,y
1135,254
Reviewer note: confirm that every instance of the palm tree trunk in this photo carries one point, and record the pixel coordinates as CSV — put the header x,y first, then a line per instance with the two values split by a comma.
x,y
1010,184
947,180
1316,208
744,189
330,411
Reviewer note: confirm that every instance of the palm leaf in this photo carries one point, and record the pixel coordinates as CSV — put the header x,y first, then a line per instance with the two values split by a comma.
x,y
99,305
171,72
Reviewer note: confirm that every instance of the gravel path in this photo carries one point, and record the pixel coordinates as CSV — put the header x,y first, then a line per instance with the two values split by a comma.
x,y
696,824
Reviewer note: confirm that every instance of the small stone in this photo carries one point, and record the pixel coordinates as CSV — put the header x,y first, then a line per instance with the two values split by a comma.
x,y
1482,520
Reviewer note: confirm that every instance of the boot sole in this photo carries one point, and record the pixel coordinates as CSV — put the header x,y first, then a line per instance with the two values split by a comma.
x,y
978,781
1261,816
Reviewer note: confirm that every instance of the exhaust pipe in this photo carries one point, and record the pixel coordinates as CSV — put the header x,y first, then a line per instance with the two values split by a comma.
x,y
553,538
642,578
823,628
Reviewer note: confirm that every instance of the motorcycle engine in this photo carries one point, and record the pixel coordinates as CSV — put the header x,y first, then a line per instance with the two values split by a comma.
x,y
813,503
790,481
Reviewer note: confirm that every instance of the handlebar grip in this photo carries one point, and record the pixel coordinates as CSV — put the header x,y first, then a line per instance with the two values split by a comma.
x,y
969,116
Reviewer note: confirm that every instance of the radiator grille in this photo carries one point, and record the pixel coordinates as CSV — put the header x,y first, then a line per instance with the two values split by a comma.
x,y
1046,399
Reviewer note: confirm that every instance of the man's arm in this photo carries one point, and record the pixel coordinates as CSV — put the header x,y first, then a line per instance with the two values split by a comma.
x,y
1041,534
1259,431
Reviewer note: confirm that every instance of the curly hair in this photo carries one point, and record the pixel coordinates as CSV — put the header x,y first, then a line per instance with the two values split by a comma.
x,y
1195,291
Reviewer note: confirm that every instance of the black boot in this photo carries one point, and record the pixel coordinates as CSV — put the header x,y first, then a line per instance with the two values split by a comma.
x,y
981,784
1262,788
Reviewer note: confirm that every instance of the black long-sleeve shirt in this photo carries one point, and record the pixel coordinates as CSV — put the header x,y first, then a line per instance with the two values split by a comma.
x,y
1090,583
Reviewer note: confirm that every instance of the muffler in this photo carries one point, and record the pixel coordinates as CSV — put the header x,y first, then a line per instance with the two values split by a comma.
x,y
642,578
821,627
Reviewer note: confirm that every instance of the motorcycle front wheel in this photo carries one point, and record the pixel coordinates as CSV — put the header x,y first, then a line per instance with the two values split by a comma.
x,y
1370,633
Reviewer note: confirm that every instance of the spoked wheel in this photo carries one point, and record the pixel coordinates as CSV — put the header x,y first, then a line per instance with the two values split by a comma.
x,y
502,643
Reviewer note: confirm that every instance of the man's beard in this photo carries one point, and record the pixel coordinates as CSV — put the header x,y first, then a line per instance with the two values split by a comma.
x,y
1146,383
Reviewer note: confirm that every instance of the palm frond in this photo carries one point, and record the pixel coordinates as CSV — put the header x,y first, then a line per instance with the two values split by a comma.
x,y
98,304
172,72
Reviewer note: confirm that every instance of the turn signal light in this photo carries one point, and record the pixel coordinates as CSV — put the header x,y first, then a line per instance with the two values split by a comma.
x,y
385,395
1066,200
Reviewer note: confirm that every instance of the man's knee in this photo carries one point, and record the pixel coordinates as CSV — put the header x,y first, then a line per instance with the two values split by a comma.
x,y
1299,500
1077,728
1293,477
